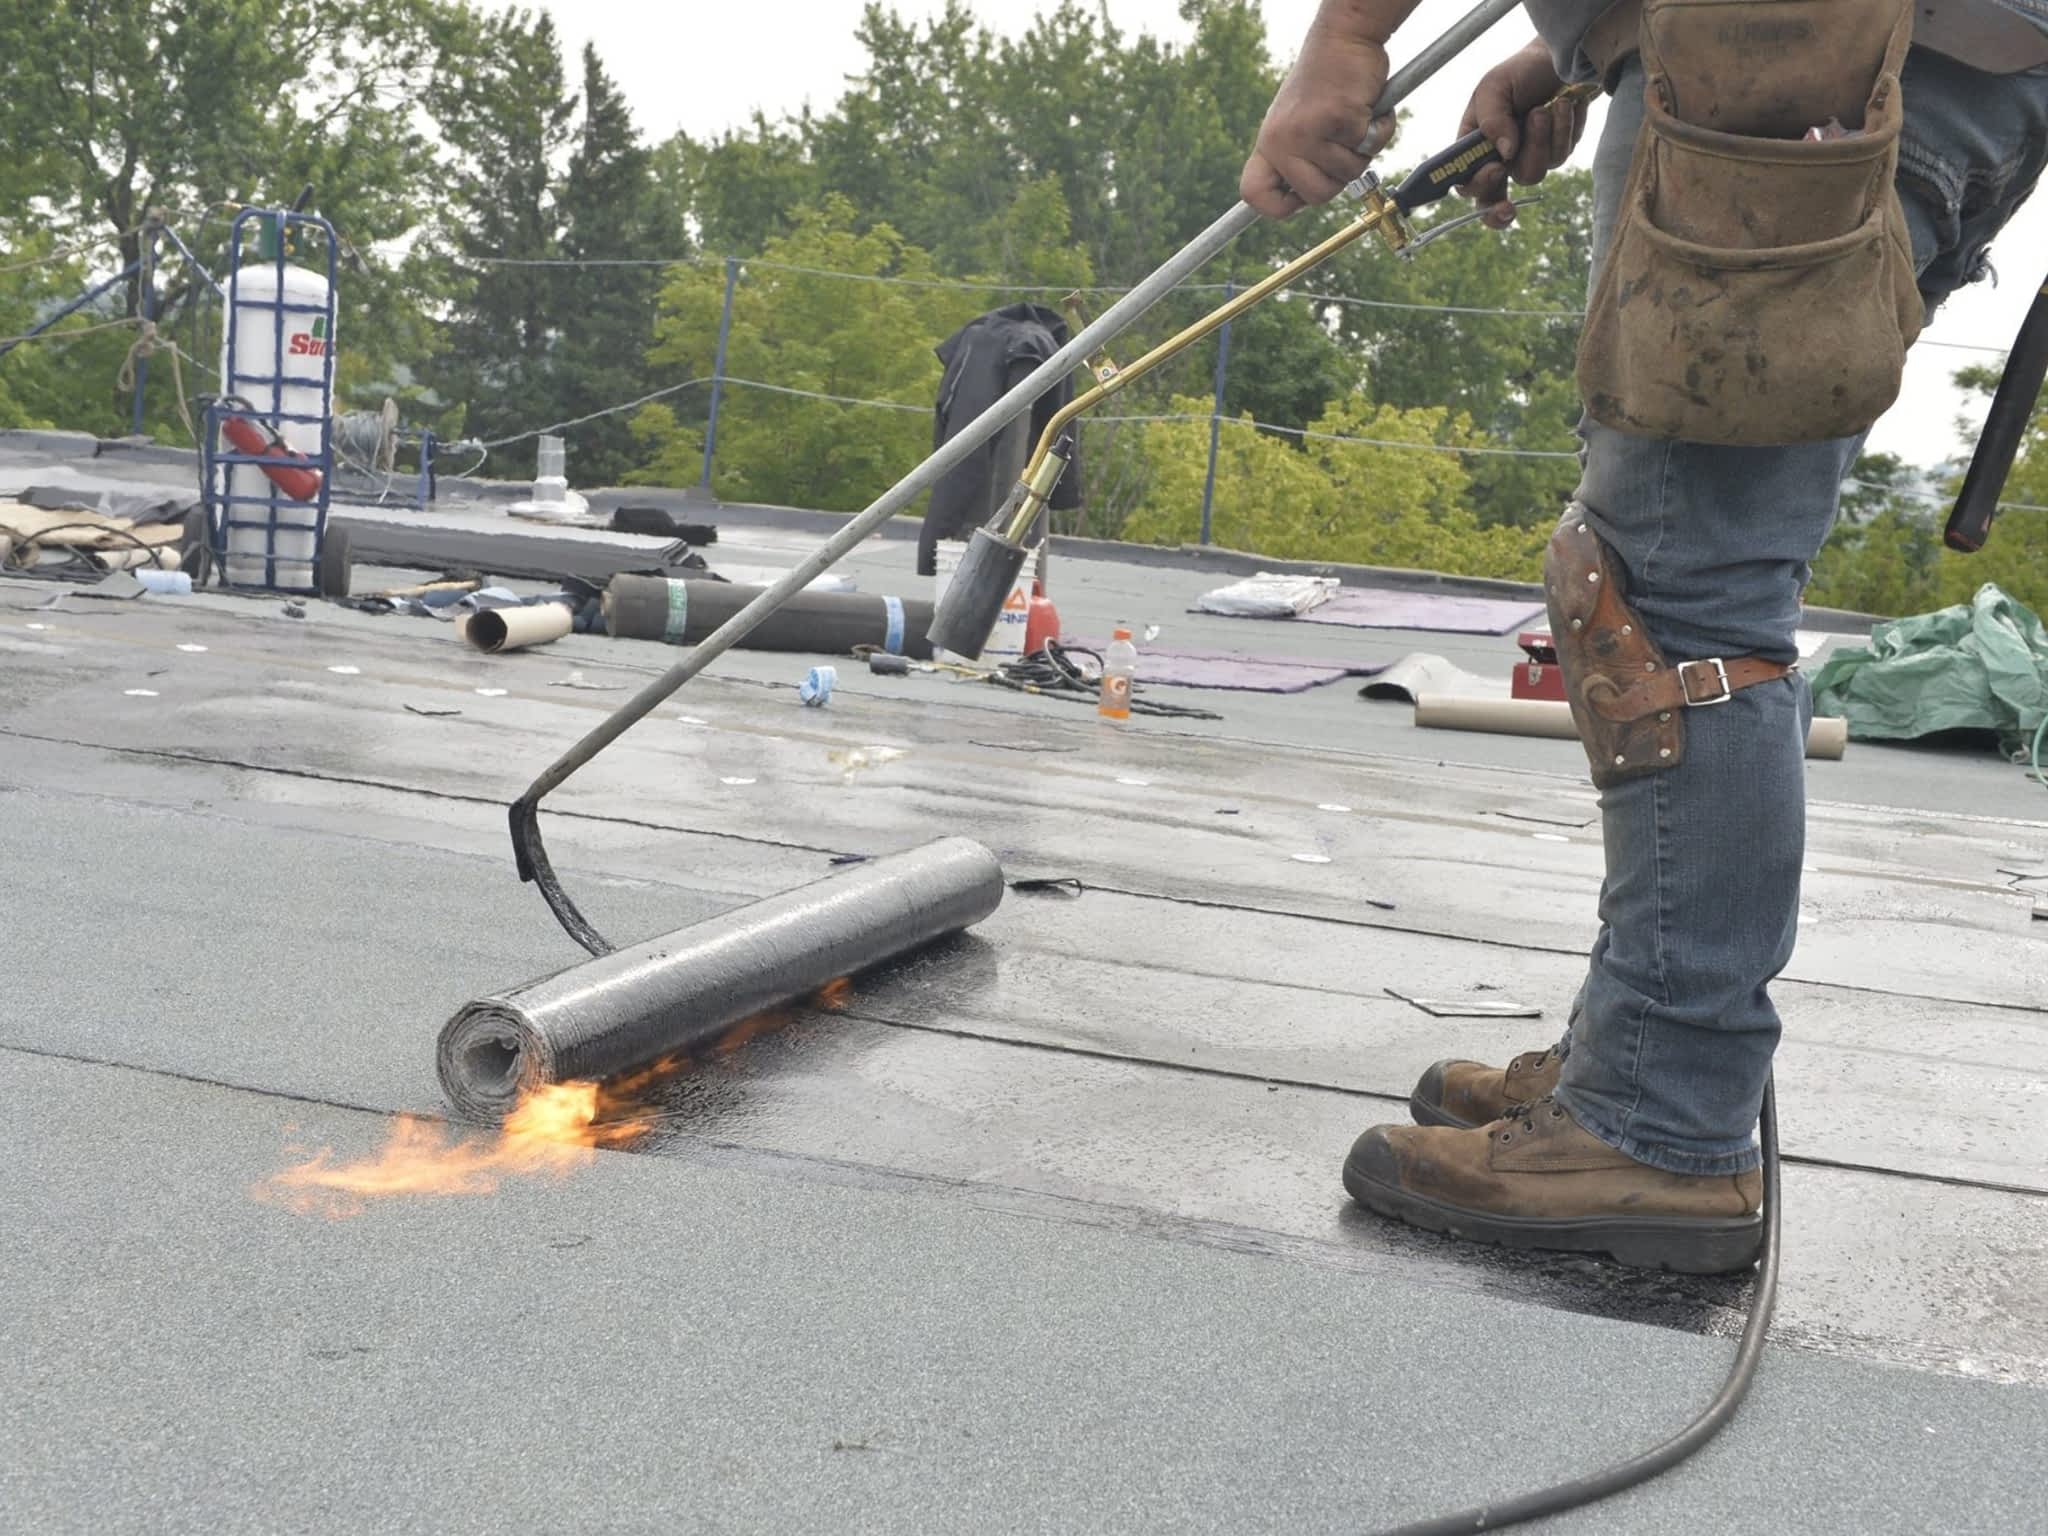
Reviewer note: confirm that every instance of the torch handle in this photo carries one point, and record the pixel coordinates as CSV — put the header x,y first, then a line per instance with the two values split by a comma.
x,y
2012,407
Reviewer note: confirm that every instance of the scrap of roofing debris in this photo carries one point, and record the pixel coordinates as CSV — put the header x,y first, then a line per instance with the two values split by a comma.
x,y
1473,1006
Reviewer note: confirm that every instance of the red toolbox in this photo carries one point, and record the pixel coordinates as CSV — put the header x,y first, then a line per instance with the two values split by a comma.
x,y
1538,677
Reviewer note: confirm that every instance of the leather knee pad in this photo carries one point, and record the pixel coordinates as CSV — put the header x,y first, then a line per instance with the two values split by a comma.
x,y
1606,657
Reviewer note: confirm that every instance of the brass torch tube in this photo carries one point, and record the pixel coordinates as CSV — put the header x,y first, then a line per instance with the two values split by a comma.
x,y
1273,281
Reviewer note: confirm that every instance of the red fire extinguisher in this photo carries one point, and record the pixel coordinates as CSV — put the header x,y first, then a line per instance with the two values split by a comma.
x,y
256,439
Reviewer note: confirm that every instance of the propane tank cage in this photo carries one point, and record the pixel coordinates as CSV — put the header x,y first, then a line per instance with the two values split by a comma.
x,y
255,381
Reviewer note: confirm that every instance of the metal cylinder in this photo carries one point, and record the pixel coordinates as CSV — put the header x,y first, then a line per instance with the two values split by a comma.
x,y
678,993
982,583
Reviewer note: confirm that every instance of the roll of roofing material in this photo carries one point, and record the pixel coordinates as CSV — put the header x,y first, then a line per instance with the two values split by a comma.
x,y
681,992
1828,737
682,612
492,630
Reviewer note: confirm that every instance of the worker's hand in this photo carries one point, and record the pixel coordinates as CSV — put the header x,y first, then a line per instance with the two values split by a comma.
x,y
1308,144
1533,138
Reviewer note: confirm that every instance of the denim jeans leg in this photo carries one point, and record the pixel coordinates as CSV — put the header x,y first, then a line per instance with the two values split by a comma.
x,y
1673,1035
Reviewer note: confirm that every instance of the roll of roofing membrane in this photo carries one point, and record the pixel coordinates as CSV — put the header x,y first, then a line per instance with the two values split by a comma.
x,y
679,993
682,612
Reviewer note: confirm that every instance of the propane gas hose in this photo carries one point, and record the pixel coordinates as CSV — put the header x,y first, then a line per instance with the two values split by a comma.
x,y
1599,1485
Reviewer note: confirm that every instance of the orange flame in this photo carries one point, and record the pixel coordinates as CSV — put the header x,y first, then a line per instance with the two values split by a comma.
x,y
554,1129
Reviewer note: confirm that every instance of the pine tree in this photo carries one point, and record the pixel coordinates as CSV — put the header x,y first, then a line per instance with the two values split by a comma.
x,y
505,118
612,209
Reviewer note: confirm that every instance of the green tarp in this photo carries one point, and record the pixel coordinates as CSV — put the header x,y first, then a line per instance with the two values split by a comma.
x,y
1981,665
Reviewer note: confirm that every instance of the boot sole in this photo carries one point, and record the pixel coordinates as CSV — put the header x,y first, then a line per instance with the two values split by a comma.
x,y
1686,1247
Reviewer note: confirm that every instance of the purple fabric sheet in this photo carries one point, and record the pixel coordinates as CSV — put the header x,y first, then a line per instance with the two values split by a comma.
x,y
1167,667
1359,608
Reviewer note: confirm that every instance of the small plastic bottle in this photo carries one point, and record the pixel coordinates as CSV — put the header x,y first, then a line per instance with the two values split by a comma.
x,y
1119,666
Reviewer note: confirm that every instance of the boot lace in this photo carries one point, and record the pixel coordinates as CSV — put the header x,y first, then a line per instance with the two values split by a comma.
x,y
1526,1113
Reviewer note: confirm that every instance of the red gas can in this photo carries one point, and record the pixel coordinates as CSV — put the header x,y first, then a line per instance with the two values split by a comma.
x,y
1043,621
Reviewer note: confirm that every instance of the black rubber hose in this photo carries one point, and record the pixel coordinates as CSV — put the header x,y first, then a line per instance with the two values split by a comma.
x,y
1712,1420
531,856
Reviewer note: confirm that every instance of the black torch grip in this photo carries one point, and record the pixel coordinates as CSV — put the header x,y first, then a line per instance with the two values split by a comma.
x,y
2005,428
1441,173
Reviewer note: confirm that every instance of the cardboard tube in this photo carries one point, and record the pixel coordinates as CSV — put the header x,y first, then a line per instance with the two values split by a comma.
x,y
1828,738
492,630
129,559
1503,717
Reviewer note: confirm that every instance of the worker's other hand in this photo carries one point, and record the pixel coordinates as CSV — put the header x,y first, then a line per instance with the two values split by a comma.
x,y
1308,146
1512,103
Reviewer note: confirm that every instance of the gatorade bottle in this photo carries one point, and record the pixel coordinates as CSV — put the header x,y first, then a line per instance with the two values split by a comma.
x,y
1119,665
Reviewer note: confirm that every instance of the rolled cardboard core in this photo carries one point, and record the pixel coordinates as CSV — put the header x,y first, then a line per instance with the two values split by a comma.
x,y
1828,737
165,559
492,630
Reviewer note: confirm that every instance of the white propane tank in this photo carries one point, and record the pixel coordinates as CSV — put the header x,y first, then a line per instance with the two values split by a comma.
x,y
279,363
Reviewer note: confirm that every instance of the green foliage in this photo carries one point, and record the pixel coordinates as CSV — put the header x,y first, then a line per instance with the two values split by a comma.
x,y
1512,374
195,106
1369,503
611,208
1888,564
498,99
803,331
1886,555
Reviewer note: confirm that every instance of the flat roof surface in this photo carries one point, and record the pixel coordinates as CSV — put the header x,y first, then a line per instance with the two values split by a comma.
x,y
1044,1231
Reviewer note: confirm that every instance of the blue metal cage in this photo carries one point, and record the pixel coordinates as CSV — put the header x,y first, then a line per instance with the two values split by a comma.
x,y
259,398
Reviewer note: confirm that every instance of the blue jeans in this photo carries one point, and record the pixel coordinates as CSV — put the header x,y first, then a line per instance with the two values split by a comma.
x,y
1671,1038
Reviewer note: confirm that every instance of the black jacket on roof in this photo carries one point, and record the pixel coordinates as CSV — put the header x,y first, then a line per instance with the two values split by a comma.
x,y
984,359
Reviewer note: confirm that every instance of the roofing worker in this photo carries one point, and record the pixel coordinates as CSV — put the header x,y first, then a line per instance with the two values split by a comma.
x,y
1783,191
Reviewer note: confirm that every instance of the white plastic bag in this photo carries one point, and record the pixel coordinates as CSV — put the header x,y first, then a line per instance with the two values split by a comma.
x,y
1267,596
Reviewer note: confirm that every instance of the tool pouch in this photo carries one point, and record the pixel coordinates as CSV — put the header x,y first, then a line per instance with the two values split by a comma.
x,y
1760,286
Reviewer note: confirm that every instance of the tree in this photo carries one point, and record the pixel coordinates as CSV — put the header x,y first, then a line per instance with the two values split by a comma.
x,y
1886,554
136,104
1486,324
827,335
611,210
503,112
1369,484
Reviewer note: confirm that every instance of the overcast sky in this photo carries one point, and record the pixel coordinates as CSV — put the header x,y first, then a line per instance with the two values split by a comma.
x,y
706,65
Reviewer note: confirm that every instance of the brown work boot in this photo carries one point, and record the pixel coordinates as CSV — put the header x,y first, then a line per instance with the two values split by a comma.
x,y
1536,1180
1469,1093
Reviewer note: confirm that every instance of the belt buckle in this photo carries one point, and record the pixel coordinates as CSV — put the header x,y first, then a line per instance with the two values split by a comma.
x,y
1720,676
